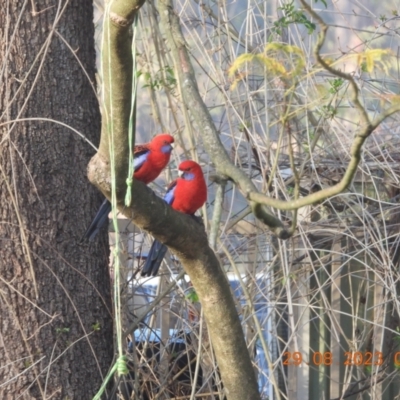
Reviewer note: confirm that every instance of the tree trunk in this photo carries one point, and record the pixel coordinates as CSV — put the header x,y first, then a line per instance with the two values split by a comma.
x,y
55,318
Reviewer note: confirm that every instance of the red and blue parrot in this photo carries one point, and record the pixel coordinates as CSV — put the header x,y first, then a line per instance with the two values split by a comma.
x,y
149,160
186,194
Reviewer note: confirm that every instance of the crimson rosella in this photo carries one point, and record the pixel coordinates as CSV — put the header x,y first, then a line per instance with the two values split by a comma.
x,y
149,160
186,194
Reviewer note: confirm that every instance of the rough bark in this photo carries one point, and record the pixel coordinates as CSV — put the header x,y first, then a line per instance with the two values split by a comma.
x,y
55,319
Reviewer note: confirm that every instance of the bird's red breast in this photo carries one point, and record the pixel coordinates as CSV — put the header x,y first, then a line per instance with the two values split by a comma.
x,y
190,194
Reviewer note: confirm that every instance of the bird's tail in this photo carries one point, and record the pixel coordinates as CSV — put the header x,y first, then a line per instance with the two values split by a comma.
x,y
154,259
99,220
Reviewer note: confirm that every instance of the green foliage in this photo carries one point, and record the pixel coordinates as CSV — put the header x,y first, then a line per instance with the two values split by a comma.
x,y
170,76
96,326
277,58
192,296
363,67
328,112
244,125
293,16
368,369
62,330
335,85
374,58
164,78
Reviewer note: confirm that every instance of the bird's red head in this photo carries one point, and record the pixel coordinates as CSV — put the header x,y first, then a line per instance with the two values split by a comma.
x,y
164,140
189,167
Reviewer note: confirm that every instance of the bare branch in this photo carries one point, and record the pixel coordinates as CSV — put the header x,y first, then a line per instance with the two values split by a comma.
x,y
367,127
218,153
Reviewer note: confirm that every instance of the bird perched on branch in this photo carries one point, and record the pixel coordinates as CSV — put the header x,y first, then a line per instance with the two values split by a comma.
x,y
149,160
186,194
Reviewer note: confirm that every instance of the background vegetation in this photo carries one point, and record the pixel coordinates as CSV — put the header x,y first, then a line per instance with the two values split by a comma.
x,y
297,134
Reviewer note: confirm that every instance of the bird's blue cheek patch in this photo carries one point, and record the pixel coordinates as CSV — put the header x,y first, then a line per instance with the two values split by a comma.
x,y
188,176
167,148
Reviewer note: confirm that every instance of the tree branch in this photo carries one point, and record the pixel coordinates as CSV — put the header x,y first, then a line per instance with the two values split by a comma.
x,y
184,237
203,119
217,152
116,96
366,129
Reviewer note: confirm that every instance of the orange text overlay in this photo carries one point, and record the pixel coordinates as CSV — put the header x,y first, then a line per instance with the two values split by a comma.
x,y
350,358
